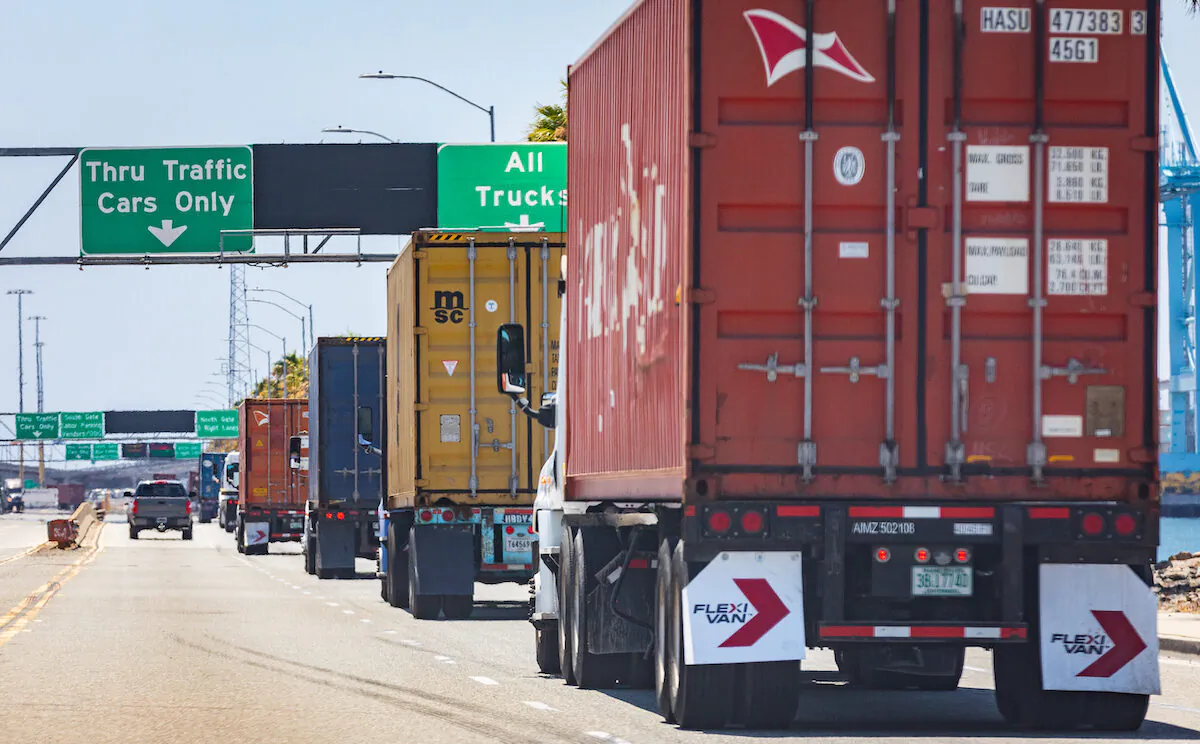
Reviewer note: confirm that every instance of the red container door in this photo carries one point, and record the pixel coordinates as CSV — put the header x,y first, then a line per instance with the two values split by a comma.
x,y
1042,165
795,239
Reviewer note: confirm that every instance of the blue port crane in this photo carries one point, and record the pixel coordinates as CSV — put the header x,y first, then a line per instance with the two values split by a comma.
x,y
1179,188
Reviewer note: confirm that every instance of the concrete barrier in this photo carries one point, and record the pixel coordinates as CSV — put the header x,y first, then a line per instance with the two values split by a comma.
x,y
85,520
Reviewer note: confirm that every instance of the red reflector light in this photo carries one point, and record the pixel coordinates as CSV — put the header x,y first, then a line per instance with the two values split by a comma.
x,y
448,515
531,529
718,521
1049,512
798,511
189,506
883,555
752,521
135,506
1092,524
426,516
1125,524
962,555
922,555
508,530
341,515
329,515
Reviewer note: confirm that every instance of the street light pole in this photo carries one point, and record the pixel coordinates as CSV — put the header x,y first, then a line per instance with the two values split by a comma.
x,y
303,336
312,329
348,130
284,340
20,293
490,110
37,348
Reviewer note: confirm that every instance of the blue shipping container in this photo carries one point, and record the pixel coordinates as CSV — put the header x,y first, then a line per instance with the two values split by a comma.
x,y
345,383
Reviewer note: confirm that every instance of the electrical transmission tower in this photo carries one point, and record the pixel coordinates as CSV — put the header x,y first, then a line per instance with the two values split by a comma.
x,y
238,373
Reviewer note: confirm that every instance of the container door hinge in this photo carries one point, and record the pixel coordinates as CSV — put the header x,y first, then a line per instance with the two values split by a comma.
x,y
1143,455
701,451
1072,371
419,407
421,483
1144,144
420,330
701,139
1143,299
806,457
889,460
701,296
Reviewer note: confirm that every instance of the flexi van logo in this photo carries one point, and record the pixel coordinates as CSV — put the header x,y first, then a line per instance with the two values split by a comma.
x,y
762,612
784,47
1118,645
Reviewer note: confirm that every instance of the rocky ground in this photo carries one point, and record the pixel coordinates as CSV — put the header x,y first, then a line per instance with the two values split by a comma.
x,y
1177,583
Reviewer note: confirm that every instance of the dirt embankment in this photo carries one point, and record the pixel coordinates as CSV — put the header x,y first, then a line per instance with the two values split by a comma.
x,y
1177,583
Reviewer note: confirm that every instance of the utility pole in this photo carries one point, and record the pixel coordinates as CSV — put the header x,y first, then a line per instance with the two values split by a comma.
x,y
41,398
20,293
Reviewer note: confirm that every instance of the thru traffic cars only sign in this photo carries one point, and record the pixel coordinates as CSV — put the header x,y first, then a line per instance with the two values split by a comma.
x,y
165,200
745,607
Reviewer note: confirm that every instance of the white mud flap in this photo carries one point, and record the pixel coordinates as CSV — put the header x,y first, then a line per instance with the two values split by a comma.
x,y
745,607
258,533
1099,630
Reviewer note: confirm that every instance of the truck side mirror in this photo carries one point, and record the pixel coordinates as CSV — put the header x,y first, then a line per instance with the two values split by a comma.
x,y
294,453
510,359
365,428
129,494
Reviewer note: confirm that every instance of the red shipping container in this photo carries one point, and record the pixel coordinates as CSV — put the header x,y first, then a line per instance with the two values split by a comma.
x,y
923,266
265,425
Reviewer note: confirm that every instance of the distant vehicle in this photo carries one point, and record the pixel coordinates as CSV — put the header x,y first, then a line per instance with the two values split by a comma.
x,y
16,502
10,494
41,498
209,484
117,503
271,495
227,499
160,505
70,496
98,498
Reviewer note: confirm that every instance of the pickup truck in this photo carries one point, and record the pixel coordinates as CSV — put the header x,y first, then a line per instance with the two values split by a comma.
x,y
159,505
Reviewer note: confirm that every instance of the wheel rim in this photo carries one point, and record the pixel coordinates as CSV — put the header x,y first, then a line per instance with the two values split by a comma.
x,y
577,612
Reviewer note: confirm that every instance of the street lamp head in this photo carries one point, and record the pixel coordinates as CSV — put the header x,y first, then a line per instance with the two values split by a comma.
x,y
381,75
19,291
334,130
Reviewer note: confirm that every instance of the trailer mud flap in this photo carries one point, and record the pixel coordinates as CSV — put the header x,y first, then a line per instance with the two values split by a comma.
x,y
335,546
445,559
258,533
745,607
1099,629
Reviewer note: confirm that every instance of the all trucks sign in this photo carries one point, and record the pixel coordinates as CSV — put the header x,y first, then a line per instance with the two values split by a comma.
x,y
503,187
165,200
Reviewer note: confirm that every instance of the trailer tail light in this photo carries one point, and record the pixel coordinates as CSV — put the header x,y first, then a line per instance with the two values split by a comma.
x,y
752,521
341,515
1125,525
719,521
447,515
962,555
883,555
921,555
426,515
1092,524
329,515
508,530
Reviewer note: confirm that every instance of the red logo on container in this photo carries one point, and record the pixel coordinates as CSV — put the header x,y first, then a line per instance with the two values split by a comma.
x,y
784,48
261,418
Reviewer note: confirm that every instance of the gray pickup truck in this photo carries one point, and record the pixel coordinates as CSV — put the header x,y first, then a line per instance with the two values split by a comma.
x,y
159,505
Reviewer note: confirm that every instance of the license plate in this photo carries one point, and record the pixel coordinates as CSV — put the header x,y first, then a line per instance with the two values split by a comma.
x,y
162,520
297,524
518,543
941,581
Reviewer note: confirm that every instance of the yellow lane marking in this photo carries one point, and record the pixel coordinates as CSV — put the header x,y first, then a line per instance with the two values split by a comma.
x,y
19,556
38,598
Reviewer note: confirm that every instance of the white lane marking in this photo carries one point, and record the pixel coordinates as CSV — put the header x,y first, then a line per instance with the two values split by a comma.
x,y
485,680
333,604
364,620
537,705
390,632
975,669
1168,706
605,736
347,612
308,593
1177,662
295,587
444,659
408,641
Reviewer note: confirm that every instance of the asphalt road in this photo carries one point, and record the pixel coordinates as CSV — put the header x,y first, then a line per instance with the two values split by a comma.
x,y
161,640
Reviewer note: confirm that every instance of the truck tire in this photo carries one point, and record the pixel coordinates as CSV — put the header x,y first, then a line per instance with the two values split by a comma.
x,y
310,555
187,534
1117,711
133,532
566,567
545,643
257,549
239,537
664,684
770,694
422,606
702,694
593,548
1019,694
457,606
396,572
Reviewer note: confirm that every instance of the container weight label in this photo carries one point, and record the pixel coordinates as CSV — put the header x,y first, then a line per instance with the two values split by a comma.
x,y
997,173
1078,175
1077,267
997,266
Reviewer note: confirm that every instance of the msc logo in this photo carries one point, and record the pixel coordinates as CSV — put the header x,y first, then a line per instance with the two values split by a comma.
x,y
448,307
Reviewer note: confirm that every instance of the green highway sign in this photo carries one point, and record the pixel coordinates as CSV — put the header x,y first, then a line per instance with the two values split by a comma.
x,y
30,483
503,187
79,451
187,450
106,451
81,425
217,424
165,200
37,426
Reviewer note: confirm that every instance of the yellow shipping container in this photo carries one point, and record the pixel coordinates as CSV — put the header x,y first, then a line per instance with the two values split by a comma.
x,y
448,294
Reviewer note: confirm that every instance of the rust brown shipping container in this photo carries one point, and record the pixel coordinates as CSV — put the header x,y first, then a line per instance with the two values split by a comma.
x,y
923,267
266,480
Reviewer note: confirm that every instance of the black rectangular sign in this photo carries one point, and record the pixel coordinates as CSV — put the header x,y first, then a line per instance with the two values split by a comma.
x,y
149,422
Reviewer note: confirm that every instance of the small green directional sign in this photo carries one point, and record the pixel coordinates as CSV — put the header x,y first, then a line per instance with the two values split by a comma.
x,y
77,451
30,483
503,187
37,426
221,424
88,425
187,450
165,200
106,451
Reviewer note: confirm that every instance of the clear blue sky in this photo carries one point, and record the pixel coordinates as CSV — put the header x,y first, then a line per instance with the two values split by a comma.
x,y
121,72
130,73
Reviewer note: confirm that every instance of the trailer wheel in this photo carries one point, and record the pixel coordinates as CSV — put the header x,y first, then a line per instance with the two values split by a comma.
x,y
664,682
422,606
593,548
566,567
133,532
770,694
187,534
457,606
1019,694
240,536
396,572
310,555
546,650
703,694
1116,711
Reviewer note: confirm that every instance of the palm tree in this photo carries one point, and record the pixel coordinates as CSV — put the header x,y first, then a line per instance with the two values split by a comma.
x,y
296,385
550,120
